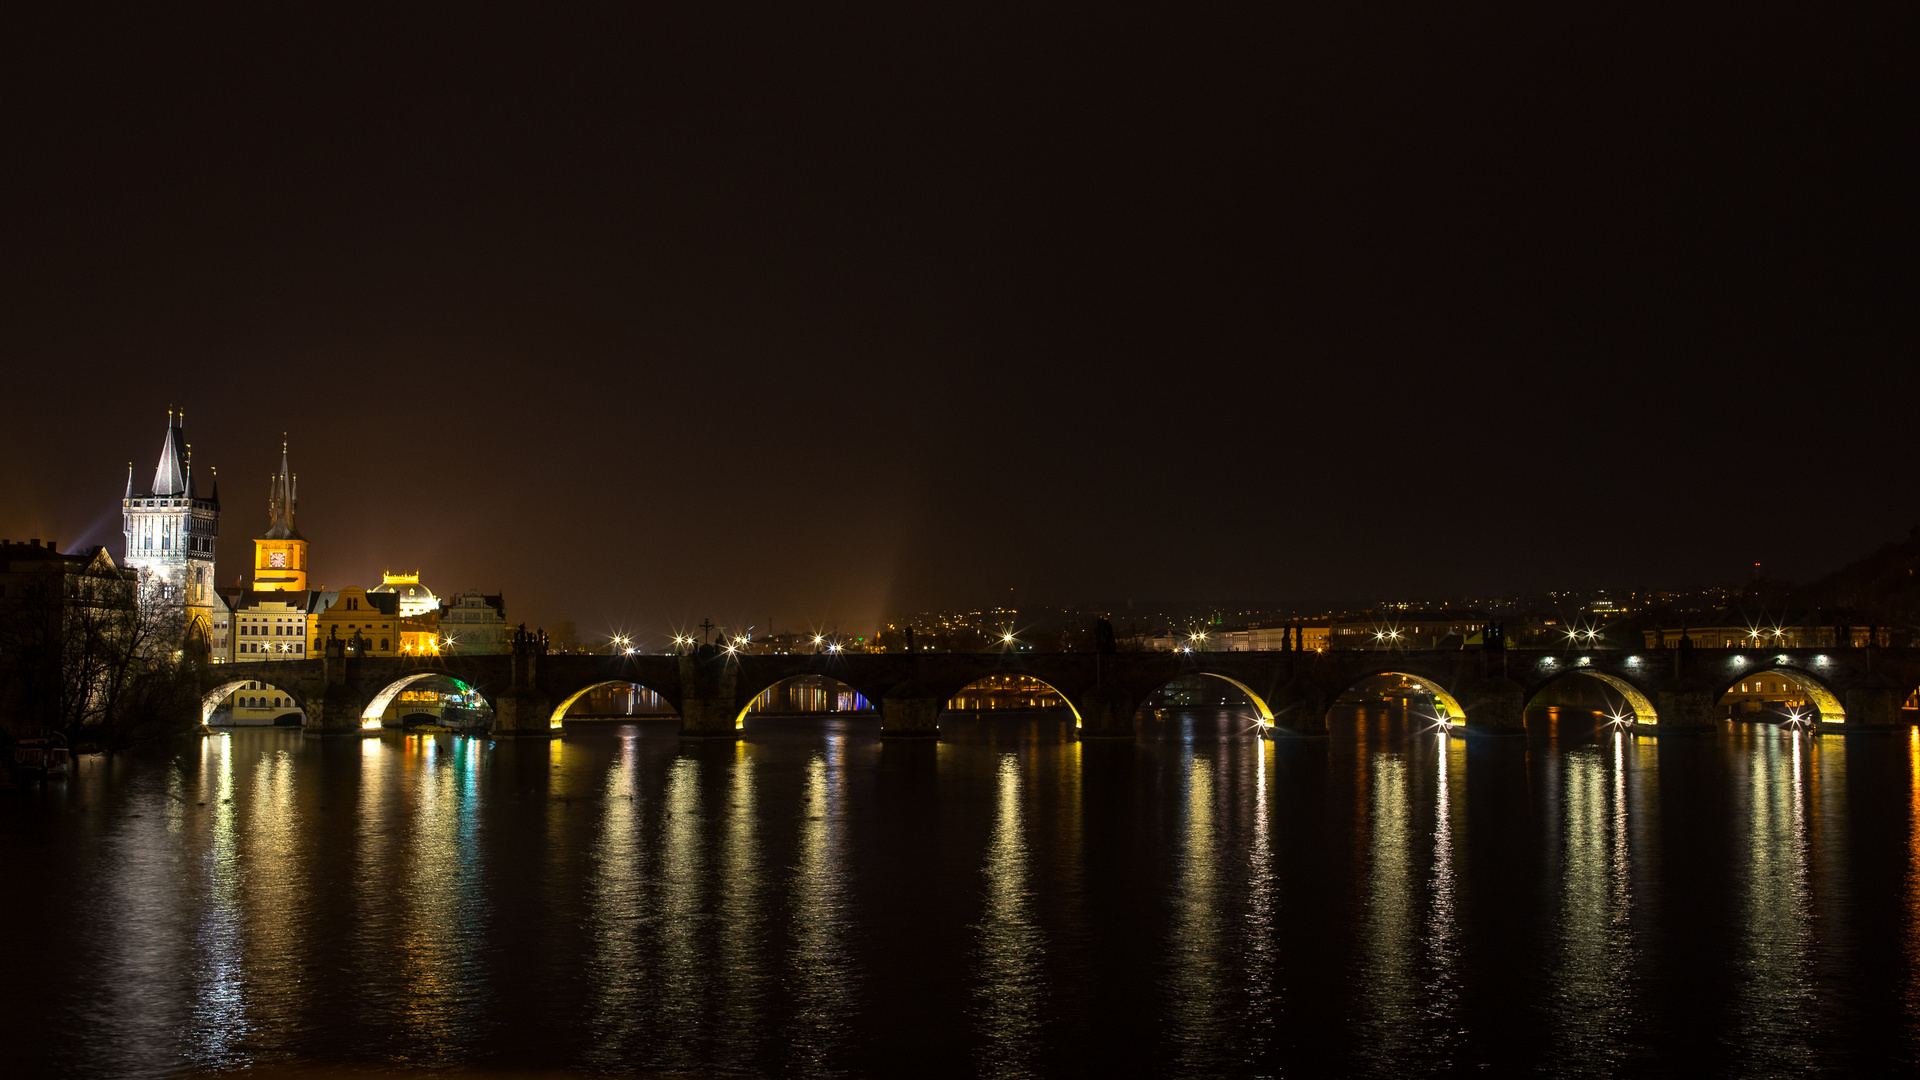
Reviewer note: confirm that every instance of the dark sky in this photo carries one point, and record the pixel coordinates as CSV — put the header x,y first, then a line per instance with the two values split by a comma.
x,y
770,313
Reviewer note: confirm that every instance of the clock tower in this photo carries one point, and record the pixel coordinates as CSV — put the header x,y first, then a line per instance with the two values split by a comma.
x,y
280,556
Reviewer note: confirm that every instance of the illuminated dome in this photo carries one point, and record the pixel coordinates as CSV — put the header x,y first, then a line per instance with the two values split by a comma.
x,y
415,598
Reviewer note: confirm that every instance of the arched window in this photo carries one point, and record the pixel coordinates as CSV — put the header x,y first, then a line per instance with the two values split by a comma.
x,y
383,644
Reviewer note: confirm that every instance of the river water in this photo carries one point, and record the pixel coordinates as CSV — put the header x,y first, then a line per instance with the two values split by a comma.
x,y
1006,902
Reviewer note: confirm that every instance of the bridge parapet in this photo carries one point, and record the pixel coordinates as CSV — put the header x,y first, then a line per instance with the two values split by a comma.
x,y
1859,688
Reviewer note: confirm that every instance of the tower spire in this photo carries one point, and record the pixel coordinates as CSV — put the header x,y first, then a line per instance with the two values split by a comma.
x,y
129,479
280,501
168,477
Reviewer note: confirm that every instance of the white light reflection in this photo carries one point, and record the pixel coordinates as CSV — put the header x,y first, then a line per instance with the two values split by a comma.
x,y
1443,928
1261,949
743,903
219,1019
680,1013
617,901
1389,987
821,964
277,898
1198,1026
1775,992
1591,987
1008,993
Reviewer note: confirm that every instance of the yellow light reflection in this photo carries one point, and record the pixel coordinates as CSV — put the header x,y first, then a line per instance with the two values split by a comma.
x,y
1913,873
1007,996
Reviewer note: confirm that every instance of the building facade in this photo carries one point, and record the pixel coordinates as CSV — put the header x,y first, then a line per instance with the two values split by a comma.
x,y
475,624
170,533
415,598
368,623
280,554
64,618
419,612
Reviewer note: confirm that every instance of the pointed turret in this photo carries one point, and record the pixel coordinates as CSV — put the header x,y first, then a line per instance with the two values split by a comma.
x,y
169,478
280,503
129,480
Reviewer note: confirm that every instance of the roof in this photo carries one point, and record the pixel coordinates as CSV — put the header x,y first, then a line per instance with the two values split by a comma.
x,y
243,599
403,585
283,495
26,553
170,477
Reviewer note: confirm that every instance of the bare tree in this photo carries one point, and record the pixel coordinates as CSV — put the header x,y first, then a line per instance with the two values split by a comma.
x,y
81,655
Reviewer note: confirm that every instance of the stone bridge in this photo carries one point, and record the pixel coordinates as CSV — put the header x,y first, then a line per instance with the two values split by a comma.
x,y
1482,691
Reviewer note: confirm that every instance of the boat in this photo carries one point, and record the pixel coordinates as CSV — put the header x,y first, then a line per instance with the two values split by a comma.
x,y
42,751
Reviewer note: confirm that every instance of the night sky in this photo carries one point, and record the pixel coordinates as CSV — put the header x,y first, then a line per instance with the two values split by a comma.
x,y
764,313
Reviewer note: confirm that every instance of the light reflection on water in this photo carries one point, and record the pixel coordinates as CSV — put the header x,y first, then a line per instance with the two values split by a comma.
x,y
1008,995
1390,991
1776,994
624,902
1199,1020
617,887
1592,982
1912,928
219,1022
821,967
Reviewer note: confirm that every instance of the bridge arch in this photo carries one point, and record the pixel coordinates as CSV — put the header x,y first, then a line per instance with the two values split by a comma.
x,y
1447,708
985,684
809,684
1262,710
370,717
1824,703
1638,704
210,701
560,710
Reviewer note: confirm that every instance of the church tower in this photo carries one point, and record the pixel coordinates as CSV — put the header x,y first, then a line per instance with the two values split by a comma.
x,y
170,532
280,556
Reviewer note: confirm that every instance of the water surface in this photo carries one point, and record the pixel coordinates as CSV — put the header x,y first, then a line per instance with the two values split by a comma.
x,y
1006,902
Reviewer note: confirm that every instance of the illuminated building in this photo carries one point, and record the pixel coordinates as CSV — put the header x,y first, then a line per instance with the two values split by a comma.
x,y
1408,630
1731,631
1265,637
280,556
369,622
475,624
269,621
170,532
221,639
415,598
268,625
257,704
419,612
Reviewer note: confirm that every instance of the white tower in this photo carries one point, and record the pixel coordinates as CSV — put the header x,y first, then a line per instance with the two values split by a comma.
x,y
170,532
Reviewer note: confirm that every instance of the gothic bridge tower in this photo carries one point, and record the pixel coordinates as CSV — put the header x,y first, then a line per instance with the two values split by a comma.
x,y
280,556
170,532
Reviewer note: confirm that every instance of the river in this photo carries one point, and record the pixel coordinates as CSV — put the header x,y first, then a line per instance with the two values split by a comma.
x,y
1006,902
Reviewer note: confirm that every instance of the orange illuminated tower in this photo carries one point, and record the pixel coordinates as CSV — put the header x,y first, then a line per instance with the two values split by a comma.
x,y
280,557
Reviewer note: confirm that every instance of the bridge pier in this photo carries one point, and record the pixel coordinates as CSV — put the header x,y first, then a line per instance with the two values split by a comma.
x,y
910,711
334,712
1299,710
1871,708
1685,711
1106,712
709,697
524,713
1495,706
